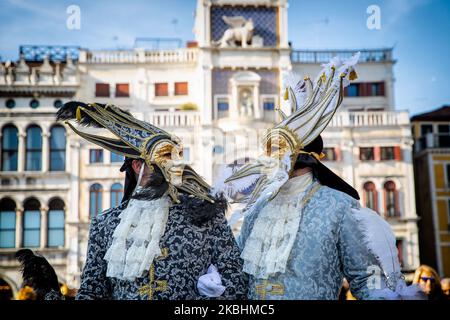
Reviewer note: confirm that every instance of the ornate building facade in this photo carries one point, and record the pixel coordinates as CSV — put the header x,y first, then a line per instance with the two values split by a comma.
x,y
219,94
431,131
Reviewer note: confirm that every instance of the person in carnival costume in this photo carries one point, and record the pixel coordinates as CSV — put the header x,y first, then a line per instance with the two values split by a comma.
x,y
303,228
168,239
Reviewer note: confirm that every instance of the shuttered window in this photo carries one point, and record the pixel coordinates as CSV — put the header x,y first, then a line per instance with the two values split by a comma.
x,y
181,88
102,89
122,90
161,89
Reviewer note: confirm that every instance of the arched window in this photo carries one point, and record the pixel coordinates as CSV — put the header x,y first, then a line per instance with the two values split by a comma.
x,y
55,225
10,148
391,199
370,196
7,223
95,200
57,148
32,223
34,149
116,194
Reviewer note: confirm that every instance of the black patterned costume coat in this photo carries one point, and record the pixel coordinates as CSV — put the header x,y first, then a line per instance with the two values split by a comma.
x,y
189,250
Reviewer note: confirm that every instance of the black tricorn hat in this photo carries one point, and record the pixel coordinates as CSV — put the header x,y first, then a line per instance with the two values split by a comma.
x,y
325,176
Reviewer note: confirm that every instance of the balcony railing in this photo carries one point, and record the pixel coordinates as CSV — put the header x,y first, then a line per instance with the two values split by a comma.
x,y
432,140
175,119
139,56
324,56
369,119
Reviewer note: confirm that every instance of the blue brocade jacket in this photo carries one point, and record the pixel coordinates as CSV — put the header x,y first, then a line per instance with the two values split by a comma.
x,y
188,250
328,247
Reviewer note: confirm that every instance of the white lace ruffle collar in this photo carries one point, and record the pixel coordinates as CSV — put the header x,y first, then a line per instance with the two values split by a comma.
x,y
269,245
136,238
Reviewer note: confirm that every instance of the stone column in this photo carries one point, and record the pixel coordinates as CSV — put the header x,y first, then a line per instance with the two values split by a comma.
x,y
283,24
19,227
22,152
380,198
45,152
44,229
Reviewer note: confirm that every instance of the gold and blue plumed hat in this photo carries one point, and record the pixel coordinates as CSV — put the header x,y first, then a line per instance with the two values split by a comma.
x,y
134,139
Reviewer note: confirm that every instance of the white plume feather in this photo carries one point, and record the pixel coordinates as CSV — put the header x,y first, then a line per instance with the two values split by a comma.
x,y
379,238
230,189
401,292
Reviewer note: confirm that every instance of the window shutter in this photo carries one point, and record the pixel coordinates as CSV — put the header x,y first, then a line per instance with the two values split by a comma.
x,y
161,89
377,153
122,90
102,89
362,90
181,88
382,91
397,153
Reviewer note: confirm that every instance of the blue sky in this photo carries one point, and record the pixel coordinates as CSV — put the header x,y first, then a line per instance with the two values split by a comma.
x,y
418,29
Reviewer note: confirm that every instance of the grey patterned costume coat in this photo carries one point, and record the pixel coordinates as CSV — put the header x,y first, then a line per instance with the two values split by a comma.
x,y
328,246
188,251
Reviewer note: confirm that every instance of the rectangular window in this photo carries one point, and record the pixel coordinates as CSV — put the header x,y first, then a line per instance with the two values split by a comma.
x,y
269,110
95,156
366,154
102,89
387,153
161,89
444,136
116,157
7,229
181,88
426,128
330,154
55,228
269,105
376,89
122,90
222,109
31,228
353,90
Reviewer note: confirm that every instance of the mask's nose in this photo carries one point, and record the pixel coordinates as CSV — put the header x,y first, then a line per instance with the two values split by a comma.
x,y
179,163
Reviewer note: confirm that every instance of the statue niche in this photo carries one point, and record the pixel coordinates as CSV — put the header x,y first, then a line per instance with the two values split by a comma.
x,y
246,103
240,31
